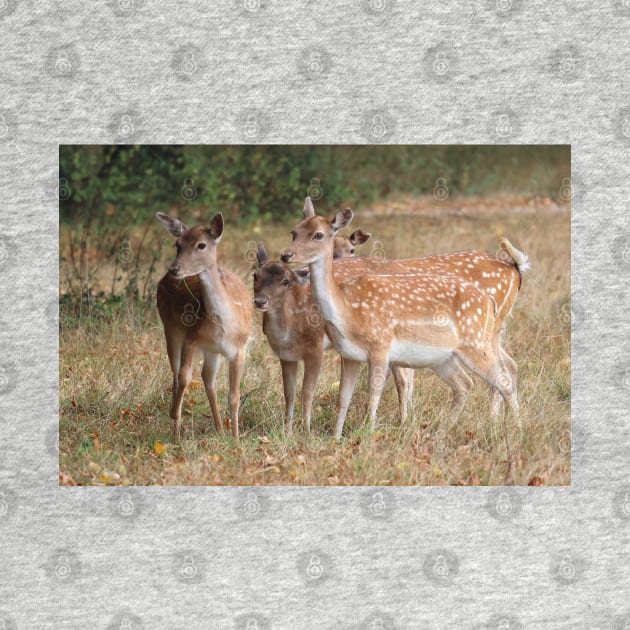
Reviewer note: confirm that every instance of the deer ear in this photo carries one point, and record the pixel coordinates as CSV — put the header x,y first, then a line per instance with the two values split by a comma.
x,y
309,210
341,220
262,254
359,237
171,224
216,227
302,275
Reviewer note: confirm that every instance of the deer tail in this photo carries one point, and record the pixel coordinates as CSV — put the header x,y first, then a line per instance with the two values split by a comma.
x,y
521,260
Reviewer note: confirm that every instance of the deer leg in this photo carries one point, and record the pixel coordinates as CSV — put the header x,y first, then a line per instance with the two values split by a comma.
x,y
349,376
509,370
452,372
237,366
403,377
312,368
411,375
184,376
377,373
209,375
485,362
512,372
174,350
289,384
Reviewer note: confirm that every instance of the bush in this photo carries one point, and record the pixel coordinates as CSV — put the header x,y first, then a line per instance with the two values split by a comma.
x,y
124,185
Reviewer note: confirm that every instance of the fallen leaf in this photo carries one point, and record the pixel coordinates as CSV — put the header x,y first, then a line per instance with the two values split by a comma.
x,y
107,476
159,448
535,481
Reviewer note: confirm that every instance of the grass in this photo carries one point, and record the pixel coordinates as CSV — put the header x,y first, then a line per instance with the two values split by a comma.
x,y
115,386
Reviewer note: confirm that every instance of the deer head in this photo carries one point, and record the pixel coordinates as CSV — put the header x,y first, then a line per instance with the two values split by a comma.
x,y
345,245
273,280
196,246
313,237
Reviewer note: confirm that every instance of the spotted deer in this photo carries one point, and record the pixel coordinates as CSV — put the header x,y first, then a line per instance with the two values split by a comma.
x,y
500,276
295,331
406,319
345,246
217,324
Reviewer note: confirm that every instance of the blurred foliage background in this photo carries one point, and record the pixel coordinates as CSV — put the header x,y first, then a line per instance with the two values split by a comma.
x,y
128,184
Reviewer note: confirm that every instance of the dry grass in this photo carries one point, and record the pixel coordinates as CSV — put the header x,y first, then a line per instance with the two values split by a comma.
x,y
115,389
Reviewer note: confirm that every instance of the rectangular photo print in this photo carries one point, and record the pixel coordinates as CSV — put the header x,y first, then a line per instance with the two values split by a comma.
x,y
315,315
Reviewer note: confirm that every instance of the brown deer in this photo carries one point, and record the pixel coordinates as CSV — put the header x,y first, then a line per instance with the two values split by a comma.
x,y
218,324
295,331
346,245
411,320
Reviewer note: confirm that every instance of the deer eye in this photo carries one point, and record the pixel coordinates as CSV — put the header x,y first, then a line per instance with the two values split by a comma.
x,y
318,236
293,234
285,282
201,246
352,251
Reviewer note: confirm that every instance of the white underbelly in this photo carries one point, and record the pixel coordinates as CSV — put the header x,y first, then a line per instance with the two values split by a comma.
x,y
218,346
349,350
415,355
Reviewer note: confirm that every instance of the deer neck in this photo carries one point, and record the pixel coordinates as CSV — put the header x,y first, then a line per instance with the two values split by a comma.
x,y
279,323
280,316
326,292
215,297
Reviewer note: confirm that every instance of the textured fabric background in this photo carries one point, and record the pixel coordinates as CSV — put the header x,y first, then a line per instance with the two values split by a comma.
x,y
314,72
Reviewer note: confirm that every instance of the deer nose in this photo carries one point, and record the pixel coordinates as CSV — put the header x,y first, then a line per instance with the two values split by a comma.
x,y
287,254
260,301
174,269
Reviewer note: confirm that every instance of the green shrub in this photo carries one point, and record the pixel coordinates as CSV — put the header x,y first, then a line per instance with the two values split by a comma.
x,y
118,185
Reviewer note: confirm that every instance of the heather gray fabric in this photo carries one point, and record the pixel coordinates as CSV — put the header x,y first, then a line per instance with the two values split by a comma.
x,y
305,72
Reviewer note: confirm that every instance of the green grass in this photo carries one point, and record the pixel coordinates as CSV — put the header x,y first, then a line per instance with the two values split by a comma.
x,y
115,387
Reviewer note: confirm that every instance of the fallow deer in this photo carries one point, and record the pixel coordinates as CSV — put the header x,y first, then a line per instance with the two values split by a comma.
x,y
411,320
218,324
295,331
499,276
